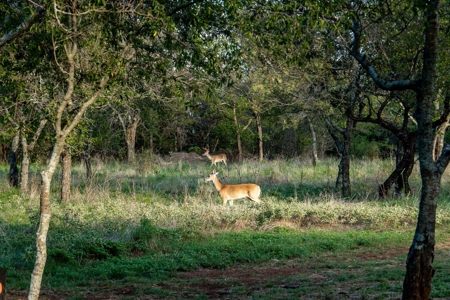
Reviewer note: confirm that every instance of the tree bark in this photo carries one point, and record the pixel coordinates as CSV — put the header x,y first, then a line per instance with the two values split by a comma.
x,y
131,139
403,168
25,168
238,134
26,148
419,268
13,169
66,176
87,162
44,223
439,138
260,135
314,142
343,179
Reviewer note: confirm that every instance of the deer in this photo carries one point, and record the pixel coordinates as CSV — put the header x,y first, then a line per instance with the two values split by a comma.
x,y
215,158
230,192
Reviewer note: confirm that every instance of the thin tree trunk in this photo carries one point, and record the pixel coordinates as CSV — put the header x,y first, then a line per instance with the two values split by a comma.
x,y
345,160
238,134
439,138
260,135
87,162
13,169
66,176
131,140
343,179
314,142
44,222
25,168
26,148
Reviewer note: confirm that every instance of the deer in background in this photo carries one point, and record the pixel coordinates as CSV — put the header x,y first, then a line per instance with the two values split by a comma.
x,y
229,192
215,158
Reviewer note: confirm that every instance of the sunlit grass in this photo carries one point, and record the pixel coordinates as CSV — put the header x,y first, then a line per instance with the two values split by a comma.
x,y
130,214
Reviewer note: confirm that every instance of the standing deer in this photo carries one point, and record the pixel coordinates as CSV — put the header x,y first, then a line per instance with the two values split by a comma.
x,y
215,158
229,192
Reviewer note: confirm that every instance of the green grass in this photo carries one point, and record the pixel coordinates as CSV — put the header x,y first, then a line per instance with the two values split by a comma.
x,y
140,226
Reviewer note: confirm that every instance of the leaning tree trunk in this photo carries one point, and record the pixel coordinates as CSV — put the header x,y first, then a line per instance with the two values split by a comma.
x,y
403,168
44,223
13,169
66,176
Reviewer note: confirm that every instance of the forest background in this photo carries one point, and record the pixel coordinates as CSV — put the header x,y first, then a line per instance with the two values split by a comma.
x,y
269,80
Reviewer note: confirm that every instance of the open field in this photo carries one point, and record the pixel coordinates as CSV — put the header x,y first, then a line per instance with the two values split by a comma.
x,y
156,230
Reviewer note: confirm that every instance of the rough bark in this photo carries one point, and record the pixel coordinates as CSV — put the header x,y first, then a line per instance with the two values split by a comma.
x,y
66,176
419,268
13,169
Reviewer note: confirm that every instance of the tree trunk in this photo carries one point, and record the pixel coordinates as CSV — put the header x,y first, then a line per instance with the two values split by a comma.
x,y
13,169
345,159
44,221
66,176
238,134
419,269
343,179
439,138
25,168
131,140
87,162
260,135
26,148
403,169
314,142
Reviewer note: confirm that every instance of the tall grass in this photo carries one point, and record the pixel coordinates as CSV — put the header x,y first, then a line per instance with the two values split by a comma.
x,y
155,207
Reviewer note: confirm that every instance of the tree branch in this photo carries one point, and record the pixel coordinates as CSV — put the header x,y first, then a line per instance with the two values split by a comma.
x,y
21,28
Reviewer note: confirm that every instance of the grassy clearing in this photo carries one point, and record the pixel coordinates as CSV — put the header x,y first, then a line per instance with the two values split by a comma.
x,y
141,225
